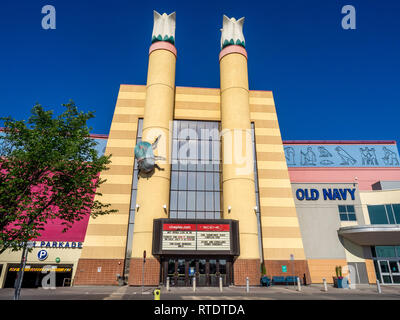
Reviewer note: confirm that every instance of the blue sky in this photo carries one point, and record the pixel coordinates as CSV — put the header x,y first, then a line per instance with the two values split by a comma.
x,y
328,83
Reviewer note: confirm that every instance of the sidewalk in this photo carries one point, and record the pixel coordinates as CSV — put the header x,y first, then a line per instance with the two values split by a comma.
x,y
311,292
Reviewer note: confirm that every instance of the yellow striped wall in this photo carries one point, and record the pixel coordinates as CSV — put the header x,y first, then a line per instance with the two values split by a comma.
x,y
281,235
106,236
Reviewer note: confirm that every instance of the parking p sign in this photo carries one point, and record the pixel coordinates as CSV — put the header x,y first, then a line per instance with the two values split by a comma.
x,y
42,255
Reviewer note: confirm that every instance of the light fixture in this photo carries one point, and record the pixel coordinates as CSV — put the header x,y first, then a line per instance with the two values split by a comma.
x,y
137,207
165,208
255,209
229,209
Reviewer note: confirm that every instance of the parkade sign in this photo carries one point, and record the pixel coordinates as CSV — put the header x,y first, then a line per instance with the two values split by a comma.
x,y
57,244
327,194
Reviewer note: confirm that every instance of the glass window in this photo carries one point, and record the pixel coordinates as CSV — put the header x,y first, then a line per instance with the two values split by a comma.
x,y
181,214
394,266
352,217
191,201
347,213
217,201
140,128
173,200
182,180
132,216
181,200
209,181
384,266
195,187
396,210
213,266
210,215
209,201
133,199
174,180
200,201
222,266
377,214
200,180
385,251
389,213
200,215
191,180
173,214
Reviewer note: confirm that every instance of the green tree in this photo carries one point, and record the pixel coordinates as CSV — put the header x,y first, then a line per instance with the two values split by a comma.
x,y
49,169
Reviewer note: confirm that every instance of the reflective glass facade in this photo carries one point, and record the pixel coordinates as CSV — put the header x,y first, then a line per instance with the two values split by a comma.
x,y
196,170
384,214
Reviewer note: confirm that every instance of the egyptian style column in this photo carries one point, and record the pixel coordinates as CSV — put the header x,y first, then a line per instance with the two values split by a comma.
x,y
238,170
153,188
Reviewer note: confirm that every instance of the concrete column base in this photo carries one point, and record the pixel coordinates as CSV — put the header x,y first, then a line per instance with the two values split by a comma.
x,y
151,272
243,268
98,272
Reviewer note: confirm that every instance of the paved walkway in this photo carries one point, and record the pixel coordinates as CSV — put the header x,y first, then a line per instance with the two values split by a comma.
x,y
312,292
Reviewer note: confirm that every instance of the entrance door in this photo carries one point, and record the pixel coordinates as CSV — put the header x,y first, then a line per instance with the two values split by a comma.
x,y
207,271
390,271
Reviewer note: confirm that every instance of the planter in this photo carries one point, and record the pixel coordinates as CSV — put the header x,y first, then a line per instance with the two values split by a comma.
x,y
341,283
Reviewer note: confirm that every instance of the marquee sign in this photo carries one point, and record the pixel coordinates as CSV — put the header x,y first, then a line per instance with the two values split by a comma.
x,y
172,236
179,237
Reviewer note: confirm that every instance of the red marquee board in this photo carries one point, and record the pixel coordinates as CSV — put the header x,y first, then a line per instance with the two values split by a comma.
x,y
196,237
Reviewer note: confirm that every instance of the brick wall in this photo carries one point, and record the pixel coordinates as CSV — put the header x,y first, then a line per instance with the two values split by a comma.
x,y
87,271
298,267
151,272
243,268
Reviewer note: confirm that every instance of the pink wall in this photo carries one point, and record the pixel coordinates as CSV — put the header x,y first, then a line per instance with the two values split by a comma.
x,y
53,230
366,176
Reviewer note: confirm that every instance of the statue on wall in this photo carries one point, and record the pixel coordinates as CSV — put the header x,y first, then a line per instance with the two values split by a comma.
x,y
232,32
145,157
164,27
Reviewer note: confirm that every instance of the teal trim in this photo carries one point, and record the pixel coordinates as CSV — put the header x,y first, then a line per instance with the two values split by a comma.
x,y
166,38
232,42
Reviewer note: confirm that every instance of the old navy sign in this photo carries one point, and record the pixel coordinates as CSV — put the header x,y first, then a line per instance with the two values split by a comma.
x,y
327,194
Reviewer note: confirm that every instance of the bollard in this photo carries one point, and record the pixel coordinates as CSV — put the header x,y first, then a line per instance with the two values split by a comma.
x,y
194,284
378,285
220,284
247,284
167,283
325,286
157,294
298,284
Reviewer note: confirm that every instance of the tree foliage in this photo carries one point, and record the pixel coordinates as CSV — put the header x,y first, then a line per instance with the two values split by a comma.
x,y
49,168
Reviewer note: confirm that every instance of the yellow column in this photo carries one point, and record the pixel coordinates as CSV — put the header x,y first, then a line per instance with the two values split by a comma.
x,y
238,167
153,191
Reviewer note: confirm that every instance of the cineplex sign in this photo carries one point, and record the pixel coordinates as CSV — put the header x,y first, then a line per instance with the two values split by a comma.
x,y
186,236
